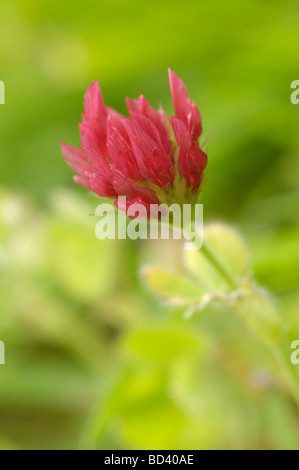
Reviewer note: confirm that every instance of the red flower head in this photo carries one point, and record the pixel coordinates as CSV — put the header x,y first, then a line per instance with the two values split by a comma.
x,y
137,157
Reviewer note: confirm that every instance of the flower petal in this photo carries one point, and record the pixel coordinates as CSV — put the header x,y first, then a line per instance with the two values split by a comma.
x,y
125,187
152,130
120,151
76,159
192,160
94,105
153,163
158,118
185,109
96,183
101,185
92,150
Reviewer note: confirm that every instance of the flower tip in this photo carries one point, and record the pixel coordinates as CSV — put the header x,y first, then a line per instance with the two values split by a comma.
x,y
172,76
92,89
94,84
129,102
64,148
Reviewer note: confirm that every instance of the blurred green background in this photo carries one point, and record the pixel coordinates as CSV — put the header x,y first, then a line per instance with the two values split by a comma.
x,y
93,360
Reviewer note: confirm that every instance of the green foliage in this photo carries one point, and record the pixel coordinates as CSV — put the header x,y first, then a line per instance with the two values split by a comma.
x,y
172,287
222,273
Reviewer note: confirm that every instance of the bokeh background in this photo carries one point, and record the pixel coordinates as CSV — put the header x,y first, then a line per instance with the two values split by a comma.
x,y
92,358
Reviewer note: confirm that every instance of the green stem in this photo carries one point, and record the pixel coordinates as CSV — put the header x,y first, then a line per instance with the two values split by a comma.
x,y
260,313
218,265
216,262
258,310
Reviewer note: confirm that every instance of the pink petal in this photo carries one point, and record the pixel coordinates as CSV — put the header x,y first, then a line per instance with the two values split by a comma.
x,y
76,159
192,160
157,118
82,180
92,149
115,115
101,185
154,165
96,183
120,151
133,192
196,162
94,105
132,105
124,206
148,126
96,114
181,133
185,109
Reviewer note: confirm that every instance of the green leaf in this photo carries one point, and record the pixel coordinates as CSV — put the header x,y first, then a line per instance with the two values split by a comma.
x,y
229,252
83,265
150,343
260,313
174,288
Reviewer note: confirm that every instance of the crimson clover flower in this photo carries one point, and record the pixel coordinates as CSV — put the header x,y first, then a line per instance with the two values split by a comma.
x,y
137,157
